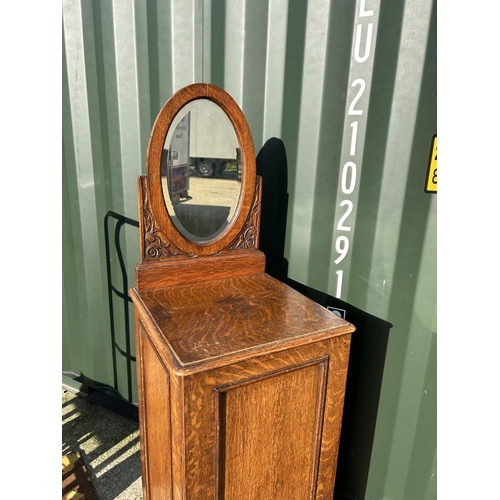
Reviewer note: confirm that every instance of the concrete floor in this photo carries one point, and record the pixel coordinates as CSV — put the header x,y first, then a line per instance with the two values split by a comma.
x,y
108,444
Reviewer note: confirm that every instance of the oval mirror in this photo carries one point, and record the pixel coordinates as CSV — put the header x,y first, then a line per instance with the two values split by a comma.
x,y
200,194
201,170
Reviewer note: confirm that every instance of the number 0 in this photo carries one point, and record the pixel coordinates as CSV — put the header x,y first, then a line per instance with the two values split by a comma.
x,y
349,188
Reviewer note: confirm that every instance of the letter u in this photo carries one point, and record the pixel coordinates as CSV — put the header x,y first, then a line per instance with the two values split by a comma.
x,y
368,44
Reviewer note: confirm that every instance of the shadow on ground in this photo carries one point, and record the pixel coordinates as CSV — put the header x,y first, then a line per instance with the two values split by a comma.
x,y
108,444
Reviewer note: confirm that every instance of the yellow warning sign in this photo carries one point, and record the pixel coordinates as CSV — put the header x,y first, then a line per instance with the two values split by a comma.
x,y
431,186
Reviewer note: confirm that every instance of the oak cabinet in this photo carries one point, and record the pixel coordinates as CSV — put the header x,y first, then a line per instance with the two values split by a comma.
x,y
241,379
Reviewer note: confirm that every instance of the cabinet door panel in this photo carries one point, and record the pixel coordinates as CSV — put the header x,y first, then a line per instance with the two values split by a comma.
x,y
270,436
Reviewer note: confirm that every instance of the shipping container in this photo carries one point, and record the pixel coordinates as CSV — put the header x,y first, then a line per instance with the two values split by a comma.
x,y
340,97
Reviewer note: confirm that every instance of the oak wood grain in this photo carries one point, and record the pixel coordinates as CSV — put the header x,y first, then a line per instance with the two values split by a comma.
x,y
218,318
156,401
199,429
269,435
169,272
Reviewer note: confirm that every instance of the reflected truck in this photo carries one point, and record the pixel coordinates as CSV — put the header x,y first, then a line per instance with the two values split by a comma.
x,y
203,143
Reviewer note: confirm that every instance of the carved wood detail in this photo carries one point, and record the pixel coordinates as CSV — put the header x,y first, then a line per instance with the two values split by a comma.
x,y
249,235
155,244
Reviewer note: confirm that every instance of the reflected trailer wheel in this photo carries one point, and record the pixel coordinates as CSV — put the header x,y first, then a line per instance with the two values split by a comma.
x,y
205,168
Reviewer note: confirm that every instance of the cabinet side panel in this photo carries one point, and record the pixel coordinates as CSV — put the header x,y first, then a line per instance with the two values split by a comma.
x,y
156,425
270,435
139,339
339,348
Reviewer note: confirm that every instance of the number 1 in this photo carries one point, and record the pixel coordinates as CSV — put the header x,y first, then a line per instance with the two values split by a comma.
x,y
340,275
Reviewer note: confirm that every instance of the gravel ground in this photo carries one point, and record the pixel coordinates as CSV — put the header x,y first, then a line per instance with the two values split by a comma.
x,y
108,444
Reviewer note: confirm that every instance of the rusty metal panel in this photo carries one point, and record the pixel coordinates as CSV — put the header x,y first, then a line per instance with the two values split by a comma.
x,y
348,89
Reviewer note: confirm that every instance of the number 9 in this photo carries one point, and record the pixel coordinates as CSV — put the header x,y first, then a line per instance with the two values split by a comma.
x,y
342,247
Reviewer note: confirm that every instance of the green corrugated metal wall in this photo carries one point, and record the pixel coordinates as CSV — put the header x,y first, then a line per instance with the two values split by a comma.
x,y
350,89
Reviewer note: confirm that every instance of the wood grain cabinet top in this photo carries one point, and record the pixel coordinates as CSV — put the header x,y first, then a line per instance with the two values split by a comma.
x,y
221,321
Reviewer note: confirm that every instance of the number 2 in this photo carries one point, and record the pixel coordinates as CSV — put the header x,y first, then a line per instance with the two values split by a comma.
x,y
357,97
350,206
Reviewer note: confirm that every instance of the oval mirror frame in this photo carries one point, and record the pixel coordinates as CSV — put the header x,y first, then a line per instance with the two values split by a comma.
x,y
153,168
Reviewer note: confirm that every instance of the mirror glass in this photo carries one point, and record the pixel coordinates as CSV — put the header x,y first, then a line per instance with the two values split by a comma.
x,y
201,170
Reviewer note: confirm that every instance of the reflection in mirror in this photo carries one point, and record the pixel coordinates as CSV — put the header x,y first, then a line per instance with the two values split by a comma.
x,y
201,170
